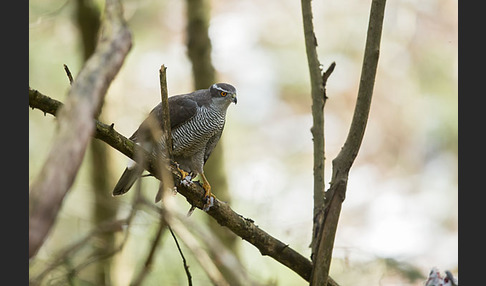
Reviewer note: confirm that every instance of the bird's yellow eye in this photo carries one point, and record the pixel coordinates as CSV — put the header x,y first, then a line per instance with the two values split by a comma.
x,y
223,93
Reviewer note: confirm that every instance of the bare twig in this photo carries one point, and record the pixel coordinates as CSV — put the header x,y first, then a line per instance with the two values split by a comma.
x,y
158,131
167,184
222,256
318,102
344,160
76,126
191,242
325,76
186,267
164,96
164,154
68,73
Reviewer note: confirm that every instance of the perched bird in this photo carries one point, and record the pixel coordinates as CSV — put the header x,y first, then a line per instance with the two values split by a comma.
x,y
197,120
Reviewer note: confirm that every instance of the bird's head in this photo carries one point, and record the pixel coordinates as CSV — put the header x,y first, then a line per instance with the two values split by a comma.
x,y
223,92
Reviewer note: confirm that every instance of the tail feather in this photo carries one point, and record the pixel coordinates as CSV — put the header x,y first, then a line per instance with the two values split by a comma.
x,y
126,181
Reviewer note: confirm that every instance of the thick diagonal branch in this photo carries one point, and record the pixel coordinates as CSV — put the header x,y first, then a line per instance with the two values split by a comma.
x,y
76,125
221,212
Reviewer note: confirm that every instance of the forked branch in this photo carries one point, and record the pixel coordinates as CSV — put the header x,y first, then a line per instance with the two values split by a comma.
x,y
345,159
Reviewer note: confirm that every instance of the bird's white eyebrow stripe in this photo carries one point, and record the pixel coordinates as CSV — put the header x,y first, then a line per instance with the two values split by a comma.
x,y
220,88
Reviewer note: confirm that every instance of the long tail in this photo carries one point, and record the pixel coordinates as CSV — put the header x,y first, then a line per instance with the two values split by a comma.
x,y
127,179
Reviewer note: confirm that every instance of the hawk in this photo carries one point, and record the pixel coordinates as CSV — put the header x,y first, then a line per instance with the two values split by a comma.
x,y
197,120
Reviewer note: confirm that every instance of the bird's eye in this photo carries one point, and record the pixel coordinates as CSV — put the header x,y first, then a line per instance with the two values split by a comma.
x,y
223,93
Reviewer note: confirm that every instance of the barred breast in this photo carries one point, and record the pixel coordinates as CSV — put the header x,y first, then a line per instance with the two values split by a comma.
x,y
192,137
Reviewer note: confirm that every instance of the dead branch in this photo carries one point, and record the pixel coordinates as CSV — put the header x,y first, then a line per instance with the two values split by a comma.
x,y
184,262
167,183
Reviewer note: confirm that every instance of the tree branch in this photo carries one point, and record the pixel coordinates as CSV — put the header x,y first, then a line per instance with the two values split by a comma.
x,y
318,102
184,261
164,154
207,264
194,193
76,126
345,159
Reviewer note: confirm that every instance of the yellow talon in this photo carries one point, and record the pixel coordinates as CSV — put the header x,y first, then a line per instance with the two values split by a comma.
x,y
184,174
208,198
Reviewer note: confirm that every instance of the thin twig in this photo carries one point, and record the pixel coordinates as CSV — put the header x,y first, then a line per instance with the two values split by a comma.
x,y
164,150
68,73
215,247
325,76
186,267
164,97
220,252
318,102
192,244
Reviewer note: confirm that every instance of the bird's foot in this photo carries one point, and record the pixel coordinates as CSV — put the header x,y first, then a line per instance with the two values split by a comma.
x,y
186,177
186,181
208,202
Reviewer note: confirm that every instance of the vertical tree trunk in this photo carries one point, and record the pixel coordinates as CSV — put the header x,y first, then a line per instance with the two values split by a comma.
x,y
198,43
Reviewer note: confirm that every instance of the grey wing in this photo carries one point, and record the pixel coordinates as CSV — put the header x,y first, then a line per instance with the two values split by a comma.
x,y
181,109
213,141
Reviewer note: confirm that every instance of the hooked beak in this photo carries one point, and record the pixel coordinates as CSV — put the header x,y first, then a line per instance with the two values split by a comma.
x,y
233,97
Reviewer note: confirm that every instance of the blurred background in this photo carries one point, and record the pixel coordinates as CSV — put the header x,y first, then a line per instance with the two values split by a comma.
x,y
400,216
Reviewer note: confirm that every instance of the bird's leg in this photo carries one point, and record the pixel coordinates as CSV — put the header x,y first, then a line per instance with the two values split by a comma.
x,y
208,196
206,186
